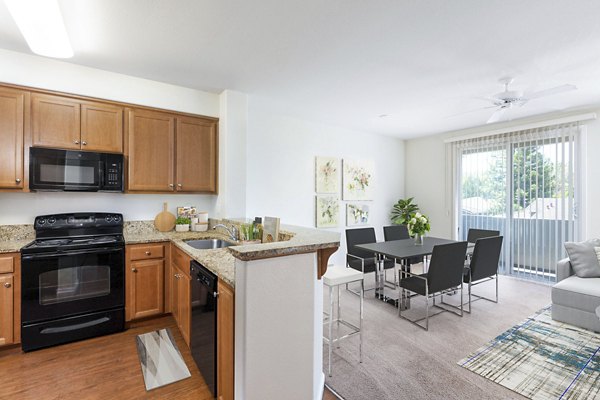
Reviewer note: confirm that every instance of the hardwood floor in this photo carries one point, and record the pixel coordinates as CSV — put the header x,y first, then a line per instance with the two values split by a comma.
x,y
101,368
328,395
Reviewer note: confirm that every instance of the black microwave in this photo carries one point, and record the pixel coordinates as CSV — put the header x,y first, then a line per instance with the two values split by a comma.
x,y
72,170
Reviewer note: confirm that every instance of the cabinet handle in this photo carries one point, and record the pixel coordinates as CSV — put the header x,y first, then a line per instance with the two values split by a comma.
x,y
148,253
77,142
84,143
7,285
18,180
179,185
133,269
170,185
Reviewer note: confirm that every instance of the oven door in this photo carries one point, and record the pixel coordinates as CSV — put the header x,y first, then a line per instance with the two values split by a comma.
x,y
55,169
70,283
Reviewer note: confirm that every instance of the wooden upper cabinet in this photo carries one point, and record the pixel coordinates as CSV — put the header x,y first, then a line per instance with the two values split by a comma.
x,y
151,140
55,121
101,128
196,155
12,119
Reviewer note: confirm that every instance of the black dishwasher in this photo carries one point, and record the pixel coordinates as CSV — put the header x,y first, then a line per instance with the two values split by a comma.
x,y
204,323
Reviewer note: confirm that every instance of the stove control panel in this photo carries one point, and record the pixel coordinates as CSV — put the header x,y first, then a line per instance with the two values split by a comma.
x,y
78,220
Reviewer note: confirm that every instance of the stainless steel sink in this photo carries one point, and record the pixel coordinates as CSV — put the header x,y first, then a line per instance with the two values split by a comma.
x,y
205,244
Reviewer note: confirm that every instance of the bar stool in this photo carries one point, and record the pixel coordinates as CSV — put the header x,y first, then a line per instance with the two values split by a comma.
x,y
338,276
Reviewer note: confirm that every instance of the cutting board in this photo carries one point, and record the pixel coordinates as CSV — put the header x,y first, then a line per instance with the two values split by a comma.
x,y
164,221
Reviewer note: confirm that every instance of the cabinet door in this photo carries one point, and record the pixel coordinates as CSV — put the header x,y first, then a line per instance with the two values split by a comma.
x,y
225,342
151,140
145,289
6,309
175,293
196,155
101,127
12,109
184,300
55,121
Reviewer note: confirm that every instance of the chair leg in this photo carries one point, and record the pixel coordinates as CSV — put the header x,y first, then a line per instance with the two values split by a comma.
x,y
496,287
469,296
360,325
339,317
461,299
400,300
427,312
330,328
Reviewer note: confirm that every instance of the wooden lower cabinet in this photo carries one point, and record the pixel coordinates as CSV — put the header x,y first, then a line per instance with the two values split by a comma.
x,y
225,342
10,298
145,280
6,309
145,289
181,291
182,303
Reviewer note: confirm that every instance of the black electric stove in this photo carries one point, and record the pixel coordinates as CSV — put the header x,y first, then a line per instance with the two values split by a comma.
x,y
73,283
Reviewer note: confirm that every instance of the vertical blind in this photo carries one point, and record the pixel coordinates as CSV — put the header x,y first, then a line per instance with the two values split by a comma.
x,y
526,185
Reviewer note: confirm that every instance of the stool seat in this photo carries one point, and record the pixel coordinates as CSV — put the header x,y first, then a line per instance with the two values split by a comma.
x,y
338,275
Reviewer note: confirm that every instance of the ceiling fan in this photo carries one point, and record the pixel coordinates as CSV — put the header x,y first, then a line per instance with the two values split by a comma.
x,y
508,99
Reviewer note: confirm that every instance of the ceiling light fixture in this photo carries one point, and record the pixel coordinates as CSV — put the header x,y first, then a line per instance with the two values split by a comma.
x,y
42,25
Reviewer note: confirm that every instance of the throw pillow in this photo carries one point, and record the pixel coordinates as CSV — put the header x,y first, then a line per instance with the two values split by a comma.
x,y
583,258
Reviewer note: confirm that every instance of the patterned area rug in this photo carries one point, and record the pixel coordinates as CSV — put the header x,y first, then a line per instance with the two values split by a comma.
x,y
542,359
160,359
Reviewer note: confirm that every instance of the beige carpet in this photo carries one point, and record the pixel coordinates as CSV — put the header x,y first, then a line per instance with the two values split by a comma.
x,y
401,361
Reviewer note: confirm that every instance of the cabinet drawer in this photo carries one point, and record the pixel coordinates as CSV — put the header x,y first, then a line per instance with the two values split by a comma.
x,y
7,264
147,252
181,260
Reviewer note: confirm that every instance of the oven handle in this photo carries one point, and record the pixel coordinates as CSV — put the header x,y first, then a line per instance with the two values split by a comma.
x,y
72,253
68,328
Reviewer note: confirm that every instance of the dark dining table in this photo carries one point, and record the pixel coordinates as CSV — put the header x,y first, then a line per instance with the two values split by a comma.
x,y
399,250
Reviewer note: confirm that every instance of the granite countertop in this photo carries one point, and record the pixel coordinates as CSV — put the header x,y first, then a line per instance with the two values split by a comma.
x,y
14,237
219,261
302,240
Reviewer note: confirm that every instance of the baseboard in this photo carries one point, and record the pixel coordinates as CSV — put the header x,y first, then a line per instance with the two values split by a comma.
x,y
321,387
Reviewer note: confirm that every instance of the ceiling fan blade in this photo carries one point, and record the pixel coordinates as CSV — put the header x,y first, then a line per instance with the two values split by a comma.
x,y
469,111
551,91
496,116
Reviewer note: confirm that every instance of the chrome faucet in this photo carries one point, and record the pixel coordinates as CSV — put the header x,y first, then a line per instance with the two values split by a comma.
x,y
232,232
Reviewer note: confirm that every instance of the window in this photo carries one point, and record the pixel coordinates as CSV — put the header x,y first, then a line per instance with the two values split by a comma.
x,y
524,184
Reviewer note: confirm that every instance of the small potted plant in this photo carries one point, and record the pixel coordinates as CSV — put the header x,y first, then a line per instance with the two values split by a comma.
x,y
182,224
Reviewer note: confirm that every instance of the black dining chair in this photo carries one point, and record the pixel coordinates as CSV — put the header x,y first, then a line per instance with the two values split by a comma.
x,y
395,232
474,234
445,274
399,232
362,260
484,265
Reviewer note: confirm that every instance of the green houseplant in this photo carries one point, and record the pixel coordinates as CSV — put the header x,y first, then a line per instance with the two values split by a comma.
x,y
182,224
403,211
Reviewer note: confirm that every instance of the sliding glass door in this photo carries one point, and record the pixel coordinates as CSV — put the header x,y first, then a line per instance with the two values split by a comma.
x,y
525,185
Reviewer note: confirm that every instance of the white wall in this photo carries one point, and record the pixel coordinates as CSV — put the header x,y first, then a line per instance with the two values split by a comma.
x,y
426,173
281,177
232,162
40,72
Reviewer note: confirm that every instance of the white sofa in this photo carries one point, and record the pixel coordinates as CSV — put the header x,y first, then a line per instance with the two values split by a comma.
x,y
575,299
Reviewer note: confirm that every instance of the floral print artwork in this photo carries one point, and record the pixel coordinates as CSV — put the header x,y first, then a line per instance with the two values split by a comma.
x,y
327,174
327,211
358,179
357,214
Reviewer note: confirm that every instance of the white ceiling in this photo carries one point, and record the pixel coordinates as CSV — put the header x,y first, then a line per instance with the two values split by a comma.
x,y
345,62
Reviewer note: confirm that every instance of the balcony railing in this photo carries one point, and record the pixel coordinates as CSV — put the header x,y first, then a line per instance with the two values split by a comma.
x,y
532,247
